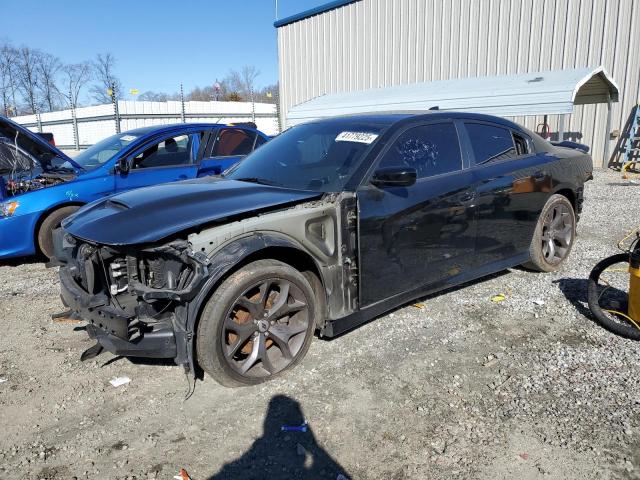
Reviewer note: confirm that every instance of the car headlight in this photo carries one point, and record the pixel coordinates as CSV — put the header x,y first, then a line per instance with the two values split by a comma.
x,y
8,209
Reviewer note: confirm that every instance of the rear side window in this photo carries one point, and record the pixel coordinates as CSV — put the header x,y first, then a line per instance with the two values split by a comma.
x,y
430,149
491,143
232,142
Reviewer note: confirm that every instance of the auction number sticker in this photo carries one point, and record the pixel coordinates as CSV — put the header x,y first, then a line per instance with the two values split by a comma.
x,y
360,137
128,138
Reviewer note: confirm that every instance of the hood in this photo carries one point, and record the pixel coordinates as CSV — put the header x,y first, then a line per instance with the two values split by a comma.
x,y
150,214
34,145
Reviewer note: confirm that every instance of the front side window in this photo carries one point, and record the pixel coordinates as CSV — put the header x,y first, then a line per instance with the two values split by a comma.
x,y
233,142
430,149
171,151
490,143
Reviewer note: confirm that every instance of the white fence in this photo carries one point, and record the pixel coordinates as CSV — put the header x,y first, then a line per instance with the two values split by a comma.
x,y
100,121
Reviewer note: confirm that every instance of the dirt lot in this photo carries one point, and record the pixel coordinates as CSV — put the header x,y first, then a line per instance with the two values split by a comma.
x,y
462,388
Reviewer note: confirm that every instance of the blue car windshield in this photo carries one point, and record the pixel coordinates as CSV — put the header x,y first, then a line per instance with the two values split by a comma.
x,y
103,151
319,156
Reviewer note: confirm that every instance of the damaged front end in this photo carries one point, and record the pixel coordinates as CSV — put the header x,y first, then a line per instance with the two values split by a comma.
x,y
133,300
145,301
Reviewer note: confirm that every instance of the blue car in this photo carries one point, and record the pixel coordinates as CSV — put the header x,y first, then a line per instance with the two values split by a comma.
x,y
40,185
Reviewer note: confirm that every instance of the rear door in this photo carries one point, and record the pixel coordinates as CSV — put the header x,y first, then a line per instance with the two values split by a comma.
x,y
512,184
166,159
227,146
422,234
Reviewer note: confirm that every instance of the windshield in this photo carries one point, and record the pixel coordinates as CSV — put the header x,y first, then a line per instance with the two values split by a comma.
x,y
319,156
103,151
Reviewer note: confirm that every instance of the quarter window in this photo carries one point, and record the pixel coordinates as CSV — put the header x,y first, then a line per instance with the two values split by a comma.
x,y
491,143
430,149
233,141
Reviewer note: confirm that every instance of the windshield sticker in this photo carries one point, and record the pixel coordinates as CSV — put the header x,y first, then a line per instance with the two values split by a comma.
x,y
128,138
360,137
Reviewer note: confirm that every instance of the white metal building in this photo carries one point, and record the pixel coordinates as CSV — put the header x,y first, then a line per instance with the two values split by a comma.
x,y
352,45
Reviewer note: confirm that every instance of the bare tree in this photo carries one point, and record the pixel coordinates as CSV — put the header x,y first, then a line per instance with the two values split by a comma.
x,y
75,76
248,74
8,85
104,71
151,96
48,68
27,76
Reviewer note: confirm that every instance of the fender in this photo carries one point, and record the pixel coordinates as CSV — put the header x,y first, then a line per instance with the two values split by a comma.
x,y
222,262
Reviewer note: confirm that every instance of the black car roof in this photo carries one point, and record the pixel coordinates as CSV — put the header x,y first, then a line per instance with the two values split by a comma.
x,y
392,118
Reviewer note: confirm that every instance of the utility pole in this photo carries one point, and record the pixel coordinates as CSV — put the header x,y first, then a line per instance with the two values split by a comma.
x,y
182,113
76,136
116,110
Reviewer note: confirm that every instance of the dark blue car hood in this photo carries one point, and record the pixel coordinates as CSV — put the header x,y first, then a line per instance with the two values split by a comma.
x,y
150,214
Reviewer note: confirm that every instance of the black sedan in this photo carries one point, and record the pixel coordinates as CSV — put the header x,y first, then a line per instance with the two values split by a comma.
x,y
325,227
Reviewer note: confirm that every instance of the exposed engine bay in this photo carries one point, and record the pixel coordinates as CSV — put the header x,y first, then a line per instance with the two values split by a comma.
x,y
20,172
23,183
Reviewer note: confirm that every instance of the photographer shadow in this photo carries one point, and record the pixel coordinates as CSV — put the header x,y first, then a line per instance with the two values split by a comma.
x,y
283,454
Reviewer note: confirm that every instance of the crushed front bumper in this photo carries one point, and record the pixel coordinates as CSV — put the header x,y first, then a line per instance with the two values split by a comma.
x,y
113,328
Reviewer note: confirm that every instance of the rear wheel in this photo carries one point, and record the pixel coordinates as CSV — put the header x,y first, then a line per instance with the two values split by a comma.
x,y
258,323
48,225
554,235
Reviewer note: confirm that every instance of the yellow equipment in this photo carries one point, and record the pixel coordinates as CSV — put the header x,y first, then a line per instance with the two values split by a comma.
x,y
634,286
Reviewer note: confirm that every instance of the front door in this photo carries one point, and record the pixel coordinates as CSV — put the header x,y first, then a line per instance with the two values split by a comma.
x,y
420,235
168,160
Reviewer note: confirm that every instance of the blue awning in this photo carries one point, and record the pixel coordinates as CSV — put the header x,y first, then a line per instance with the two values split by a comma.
x,y
536,93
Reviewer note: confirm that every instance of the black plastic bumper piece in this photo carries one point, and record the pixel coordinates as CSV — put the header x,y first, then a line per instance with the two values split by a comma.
x,y
159,342
110,326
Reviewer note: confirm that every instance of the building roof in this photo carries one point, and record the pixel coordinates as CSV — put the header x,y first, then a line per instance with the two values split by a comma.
x,y
312,11
536,93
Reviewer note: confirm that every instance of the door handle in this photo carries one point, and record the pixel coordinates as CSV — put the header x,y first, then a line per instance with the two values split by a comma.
x,y
181,177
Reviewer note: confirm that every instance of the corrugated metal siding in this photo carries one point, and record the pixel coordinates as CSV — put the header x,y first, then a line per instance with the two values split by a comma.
x,y
376,43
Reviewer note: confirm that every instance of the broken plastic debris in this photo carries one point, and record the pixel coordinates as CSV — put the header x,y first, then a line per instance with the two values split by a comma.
x,y
501,297
182,475
2,380
292,428
524,456
539,302
418,305
119,381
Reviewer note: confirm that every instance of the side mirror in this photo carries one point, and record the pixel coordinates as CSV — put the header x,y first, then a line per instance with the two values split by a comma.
x,y
394,177
123,166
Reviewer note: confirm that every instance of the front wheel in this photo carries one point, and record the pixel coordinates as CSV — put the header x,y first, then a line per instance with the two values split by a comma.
x,y
257,324
49,224
554,235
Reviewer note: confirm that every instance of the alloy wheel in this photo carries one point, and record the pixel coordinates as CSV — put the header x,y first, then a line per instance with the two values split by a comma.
x,y
557,234
265,328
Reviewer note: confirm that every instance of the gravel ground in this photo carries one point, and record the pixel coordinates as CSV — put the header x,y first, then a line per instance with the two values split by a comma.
x,y
462,388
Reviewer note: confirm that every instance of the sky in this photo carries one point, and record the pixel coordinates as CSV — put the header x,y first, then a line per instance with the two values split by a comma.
x,y
157,43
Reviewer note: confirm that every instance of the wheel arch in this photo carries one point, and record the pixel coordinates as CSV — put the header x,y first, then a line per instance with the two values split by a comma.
x,y
236,254
44,214
569,193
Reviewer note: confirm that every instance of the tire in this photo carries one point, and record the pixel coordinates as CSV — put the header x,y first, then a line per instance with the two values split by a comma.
x,y
247,333
625,330
554,235
48,225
